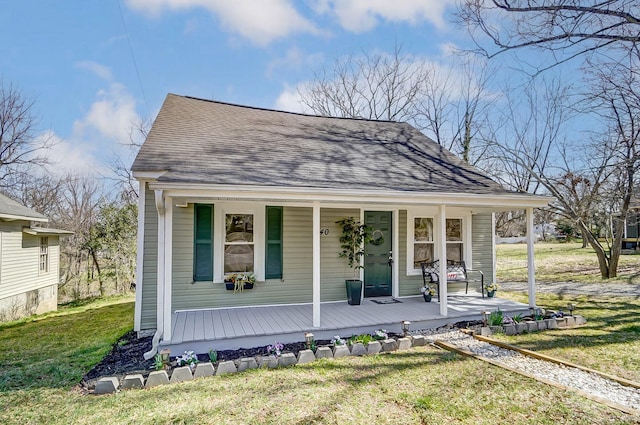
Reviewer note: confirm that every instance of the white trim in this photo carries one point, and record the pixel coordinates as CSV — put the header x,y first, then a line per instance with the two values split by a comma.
x,y
395,255
137,314
531,271
168,267
442,247
43,231
259,222
148,175
495,202
160,265
316,264
494,257
12,217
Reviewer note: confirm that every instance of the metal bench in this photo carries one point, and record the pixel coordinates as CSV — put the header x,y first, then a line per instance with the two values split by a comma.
x,y
457,272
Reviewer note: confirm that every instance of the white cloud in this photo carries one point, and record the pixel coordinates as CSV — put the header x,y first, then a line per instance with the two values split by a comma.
x,y
363,15
70,157
295,59
99,70
259,21
111,116
289,100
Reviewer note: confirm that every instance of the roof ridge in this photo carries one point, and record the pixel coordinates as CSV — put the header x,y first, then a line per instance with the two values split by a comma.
x,y
285,112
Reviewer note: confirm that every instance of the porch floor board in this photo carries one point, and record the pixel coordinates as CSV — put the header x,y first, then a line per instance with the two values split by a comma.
x,y
233,328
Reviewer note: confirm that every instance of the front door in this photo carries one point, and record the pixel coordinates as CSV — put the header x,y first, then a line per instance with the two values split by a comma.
x,y
377,264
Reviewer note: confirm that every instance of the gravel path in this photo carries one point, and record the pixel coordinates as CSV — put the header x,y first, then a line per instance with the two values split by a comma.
x,y
570,377
574,288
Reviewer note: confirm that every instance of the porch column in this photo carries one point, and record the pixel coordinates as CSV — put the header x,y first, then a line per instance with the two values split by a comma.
x,y
442,280
531,271
159,198
316,265
168,266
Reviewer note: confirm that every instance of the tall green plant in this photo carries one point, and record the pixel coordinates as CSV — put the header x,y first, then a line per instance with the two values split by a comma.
x,y
354,237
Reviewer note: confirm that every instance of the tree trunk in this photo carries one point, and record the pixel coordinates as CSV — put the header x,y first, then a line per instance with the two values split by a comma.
x,y
94,257
585,242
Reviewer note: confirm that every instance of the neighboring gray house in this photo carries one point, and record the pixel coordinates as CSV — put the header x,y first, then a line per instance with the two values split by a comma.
x,y
29,261
227,188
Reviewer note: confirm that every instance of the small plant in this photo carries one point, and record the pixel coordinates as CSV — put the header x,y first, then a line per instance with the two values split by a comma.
x,y
495,318
492,287
189,358
158,364
428,290
517,318
381,334
337,340
362,338
239,280
213,356
506,320
275,349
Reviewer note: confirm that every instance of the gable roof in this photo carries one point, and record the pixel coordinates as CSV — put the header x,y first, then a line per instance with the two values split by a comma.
x,y
201,141
12,210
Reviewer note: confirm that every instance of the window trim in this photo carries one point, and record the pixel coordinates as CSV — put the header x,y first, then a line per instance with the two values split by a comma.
x,y
44,243
220,212
430,212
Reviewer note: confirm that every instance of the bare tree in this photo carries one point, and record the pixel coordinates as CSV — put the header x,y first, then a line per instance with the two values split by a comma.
x,y
18,145
565,28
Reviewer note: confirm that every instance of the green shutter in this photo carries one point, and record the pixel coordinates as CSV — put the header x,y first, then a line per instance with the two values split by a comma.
x,y
203,243
273,258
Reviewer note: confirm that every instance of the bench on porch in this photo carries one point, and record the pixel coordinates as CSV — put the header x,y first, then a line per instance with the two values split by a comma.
x,y
457,272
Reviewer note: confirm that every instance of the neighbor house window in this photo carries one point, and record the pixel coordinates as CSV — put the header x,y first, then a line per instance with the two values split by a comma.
x,y
454,239
44,254
423,247
239,246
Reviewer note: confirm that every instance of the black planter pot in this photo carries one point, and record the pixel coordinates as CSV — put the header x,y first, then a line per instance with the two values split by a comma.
x,y
427,297
354,291
231,286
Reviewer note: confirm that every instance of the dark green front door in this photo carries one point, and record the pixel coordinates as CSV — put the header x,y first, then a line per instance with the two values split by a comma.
x,y
377,267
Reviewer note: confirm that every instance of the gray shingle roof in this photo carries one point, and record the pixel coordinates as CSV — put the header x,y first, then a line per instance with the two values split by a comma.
x,y
12,209
201,141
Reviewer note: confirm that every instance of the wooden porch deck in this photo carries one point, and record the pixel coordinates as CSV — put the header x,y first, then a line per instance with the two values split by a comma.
x,y
246,327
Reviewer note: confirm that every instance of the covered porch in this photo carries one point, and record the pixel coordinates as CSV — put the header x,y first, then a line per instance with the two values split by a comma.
x,y
246,327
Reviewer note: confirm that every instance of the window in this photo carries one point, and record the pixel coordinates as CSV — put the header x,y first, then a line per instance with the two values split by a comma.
x,y
422,240
239,244
454,239
203,243
44,254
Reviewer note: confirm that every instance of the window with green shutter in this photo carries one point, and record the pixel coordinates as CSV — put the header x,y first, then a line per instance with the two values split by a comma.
x,y
203,243
273,257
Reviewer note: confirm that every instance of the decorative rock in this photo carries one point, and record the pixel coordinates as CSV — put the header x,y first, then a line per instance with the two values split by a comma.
x,y
389,345
270,362
306,356
132,381
404,343
246,363
552,324
509,329
157,377
357,349
324,353
226,367
287,359
580,320
570,321
203,370
181,374
542,325
532,326
340,351
496,329
373,347
418,340
485,331
106,385
562,322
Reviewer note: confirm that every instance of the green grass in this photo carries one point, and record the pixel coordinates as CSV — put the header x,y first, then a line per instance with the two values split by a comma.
x,y
421,386
560,262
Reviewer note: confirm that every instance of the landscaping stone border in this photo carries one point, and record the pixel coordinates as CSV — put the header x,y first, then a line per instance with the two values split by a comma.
x,y
109,385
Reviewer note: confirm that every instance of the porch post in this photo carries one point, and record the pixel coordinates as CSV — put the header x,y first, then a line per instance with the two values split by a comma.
x,y
159,198
168,266
316,265
442,280
395,268
531,272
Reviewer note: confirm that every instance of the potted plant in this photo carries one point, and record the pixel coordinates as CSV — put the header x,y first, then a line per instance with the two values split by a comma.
x,y
354,237
237,282
491,290
428,293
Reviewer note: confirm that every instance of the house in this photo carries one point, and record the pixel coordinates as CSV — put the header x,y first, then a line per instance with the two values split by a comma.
x,y
29,261
227,188
631,237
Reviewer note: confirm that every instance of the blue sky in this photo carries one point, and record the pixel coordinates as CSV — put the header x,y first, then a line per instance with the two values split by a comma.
x,y
74,58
